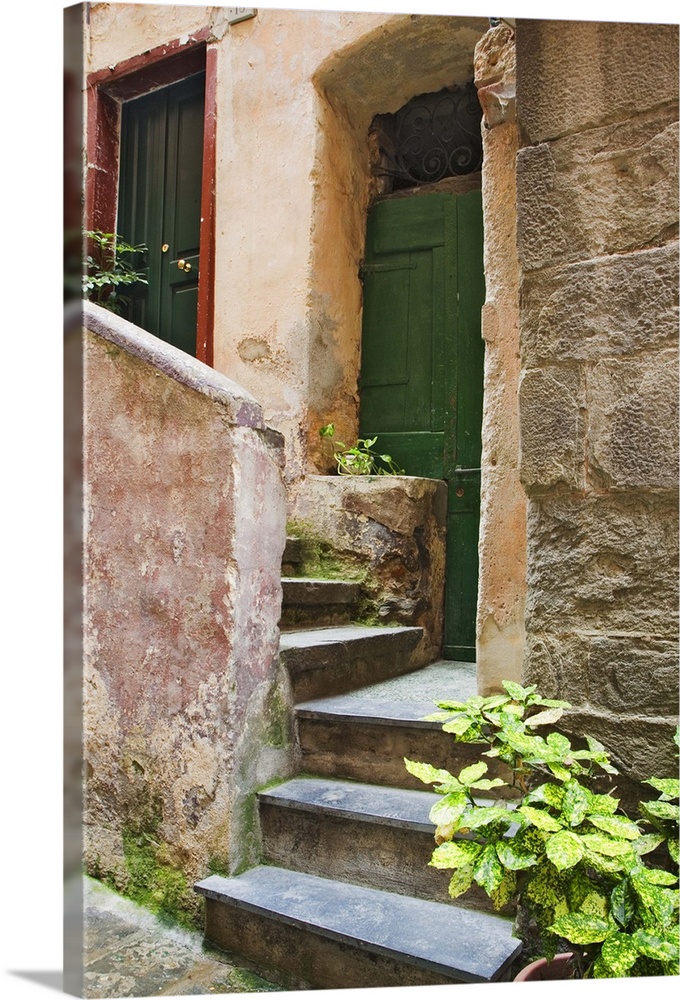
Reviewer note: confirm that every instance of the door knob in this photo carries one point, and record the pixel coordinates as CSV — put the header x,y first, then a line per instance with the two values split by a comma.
x,y
183,265
165,248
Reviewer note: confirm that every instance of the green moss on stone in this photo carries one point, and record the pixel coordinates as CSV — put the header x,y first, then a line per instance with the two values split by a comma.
x,y
158,887
321,560
277,720
242,981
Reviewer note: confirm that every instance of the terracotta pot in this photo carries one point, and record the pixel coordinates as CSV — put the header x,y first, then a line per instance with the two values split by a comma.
x,y
557,968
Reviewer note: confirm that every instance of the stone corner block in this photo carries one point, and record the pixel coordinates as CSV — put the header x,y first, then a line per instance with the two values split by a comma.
x,y
551,428
633,421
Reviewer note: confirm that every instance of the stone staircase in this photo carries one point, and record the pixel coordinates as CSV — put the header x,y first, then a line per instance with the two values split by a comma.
x,y
344,897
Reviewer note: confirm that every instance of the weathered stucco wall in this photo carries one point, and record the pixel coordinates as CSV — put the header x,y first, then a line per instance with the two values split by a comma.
x,y
184,534
597,232
292,192
390,531
502,529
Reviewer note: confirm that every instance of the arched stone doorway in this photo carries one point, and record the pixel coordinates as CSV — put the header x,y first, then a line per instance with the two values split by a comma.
x,y
378,75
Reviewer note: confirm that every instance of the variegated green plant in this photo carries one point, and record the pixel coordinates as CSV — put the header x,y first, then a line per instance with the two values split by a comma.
x,y
568,858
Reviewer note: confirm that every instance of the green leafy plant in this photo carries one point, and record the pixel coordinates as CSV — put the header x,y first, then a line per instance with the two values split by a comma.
x,y
556,846
108,267
359,460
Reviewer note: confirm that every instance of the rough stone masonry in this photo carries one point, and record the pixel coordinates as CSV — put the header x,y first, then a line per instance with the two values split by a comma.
x,y
597,203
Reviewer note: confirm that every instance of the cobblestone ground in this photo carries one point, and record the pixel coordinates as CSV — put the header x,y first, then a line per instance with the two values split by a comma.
x,y
130,953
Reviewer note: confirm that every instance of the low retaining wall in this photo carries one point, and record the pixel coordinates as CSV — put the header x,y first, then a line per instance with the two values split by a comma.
x,y
184,709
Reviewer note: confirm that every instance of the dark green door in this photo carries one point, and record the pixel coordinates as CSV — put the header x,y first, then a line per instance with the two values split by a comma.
x,y
422,368
160,205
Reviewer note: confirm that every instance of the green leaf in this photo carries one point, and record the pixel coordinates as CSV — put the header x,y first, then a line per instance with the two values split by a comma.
x,y
452,706
505,890
647,842
511,855
559,743
579,928
619,953
563,773
486,784
603,805
540,819
455,854
437,717
674,850
461,880
623,903
656,901
576,802
606,866
472,773
669,787
594,745
475,702
495,701
605,845
533,748
594,904
617,826
657,876
547,718
564,849
429,774
481,816
516,691
449,809
661,810
458,726
488,871
654,946
511,710
551,794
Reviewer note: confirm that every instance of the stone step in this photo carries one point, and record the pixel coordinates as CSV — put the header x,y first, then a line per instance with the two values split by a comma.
x,y
367,740
292,555
345,657
369,835
309,601
334,935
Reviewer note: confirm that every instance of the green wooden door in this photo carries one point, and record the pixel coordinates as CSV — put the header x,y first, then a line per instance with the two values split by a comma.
x,y
160,205
422,368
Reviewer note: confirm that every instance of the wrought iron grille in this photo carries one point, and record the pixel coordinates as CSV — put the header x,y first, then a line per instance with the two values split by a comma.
x,y
432,137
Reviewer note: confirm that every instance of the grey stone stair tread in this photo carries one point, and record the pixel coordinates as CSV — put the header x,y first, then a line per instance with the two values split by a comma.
x,y
462,944
408,698
311,590
386,713
340,634
354,800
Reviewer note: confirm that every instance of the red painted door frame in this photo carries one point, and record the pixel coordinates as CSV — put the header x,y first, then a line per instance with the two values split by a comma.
x,y
106,89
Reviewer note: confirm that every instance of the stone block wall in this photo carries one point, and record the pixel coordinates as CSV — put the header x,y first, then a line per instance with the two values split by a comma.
x,y
597,206
184,711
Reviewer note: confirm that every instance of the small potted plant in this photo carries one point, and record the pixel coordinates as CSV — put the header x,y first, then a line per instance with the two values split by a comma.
x,y
360,459
557,846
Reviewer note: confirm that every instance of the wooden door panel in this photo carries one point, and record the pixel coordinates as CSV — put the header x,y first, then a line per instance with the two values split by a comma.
x,y
160,204
422,366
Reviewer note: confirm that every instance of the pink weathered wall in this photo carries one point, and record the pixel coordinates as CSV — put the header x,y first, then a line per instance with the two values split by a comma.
x,y
184,534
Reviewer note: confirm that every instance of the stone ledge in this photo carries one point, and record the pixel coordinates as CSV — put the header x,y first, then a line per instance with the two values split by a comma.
x,y
242,409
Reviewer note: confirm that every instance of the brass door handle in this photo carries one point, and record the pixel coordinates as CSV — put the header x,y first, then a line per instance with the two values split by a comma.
x,y
183,265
